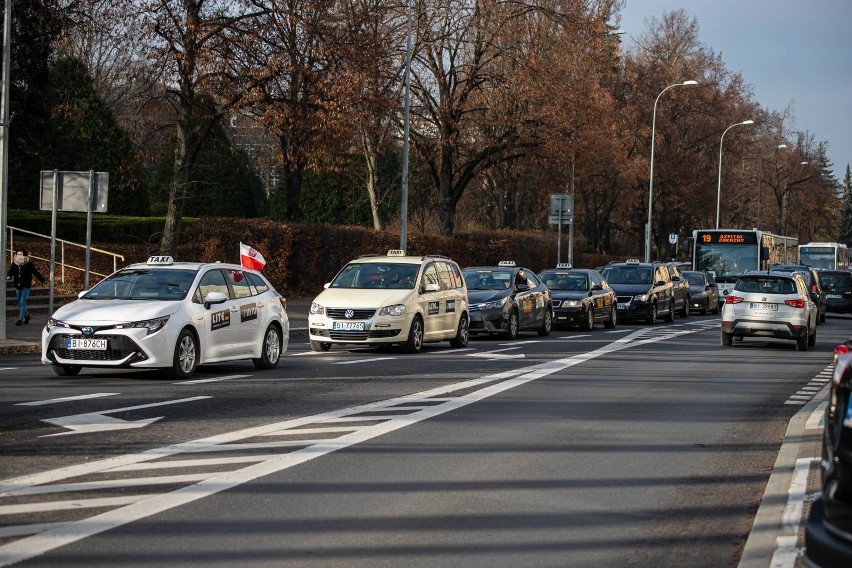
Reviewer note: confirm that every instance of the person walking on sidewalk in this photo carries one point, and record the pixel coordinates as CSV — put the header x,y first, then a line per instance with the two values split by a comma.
x,y
22,272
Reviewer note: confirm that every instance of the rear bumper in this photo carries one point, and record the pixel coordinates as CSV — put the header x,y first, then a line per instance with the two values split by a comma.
x,y
756,328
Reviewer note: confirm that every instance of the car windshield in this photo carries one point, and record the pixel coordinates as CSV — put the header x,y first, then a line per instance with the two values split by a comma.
x,y
837,282
377,275
144,284
487,279
694,278
766,285
627,274
566,281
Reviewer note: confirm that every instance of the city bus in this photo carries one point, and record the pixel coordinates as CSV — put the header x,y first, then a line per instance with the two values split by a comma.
x,y
727,253
828,256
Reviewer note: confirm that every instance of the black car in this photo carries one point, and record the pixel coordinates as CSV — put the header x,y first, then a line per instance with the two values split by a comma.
x,y
837,285
506,299
828,535
814,286
643,290
703,291
680,289
580,297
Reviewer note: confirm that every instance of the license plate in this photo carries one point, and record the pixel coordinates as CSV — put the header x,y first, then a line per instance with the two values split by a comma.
x,y
833,296
347,325
622,306
87,344
764,307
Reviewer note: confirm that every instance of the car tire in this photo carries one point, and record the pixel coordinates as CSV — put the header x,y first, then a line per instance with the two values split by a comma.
x,y
611,322
514,325
415,336
716,309
812,339
727,339
320,346
462,334
589,322
822,317
684,312
652,315
271,349
547,324
66,370
185,359
705,309
802,343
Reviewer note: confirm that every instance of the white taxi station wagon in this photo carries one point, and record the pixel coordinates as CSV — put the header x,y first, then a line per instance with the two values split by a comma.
x,y
170,315
408,300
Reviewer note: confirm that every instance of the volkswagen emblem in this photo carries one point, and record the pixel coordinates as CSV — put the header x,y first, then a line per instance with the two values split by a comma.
x,y
87,331
349,314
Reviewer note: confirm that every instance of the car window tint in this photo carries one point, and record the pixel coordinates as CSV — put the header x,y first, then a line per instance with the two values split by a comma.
x,y
257,282
445,279
212,281
430,275
533,281
239,283
458,281
766,285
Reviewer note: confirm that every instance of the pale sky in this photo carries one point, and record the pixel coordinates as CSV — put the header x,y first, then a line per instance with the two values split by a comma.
x,y
795,52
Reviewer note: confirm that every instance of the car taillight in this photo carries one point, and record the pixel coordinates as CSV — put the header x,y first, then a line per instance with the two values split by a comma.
x,y
842,370
283,301
798,303
840,350
814,288
733,300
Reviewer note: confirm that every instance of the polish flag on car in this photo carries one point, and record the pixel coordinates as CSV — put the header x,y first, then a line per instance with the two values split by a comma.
x,y
250,258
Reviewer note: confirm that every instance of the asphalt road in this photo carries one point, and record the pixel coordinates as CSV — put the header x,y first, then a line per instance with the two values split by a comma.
x,y
641,446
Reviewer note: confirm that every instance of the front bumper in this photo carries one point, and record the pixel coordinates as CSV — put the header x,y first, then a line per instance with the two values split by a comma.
x,y
377,330
633,309
824,548
487,321
131,347
569,316
838,306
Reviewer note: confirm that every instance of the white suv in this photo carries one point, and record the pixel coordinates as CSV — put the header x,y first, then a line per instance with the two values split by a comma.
x,y
409,300
770,304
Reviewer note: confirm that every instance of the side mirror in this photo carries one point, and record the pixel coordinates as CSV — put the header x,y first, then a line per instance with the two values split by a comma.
x,y
214,298
708,287
596,287
326,285
660,283
522,287
81,294
432,287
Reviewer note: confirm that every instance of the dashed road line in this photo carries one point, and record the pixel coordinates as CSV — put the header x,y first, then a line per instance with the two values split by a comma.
x,y
66,399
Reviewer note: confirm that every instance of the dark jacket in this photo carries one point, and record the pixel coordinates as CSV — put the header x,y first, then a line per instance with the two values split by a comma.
x,y
23,275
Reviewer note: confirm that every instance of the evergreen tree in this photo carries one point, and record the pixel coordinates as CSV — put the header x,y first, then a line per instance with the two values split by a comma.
x,y
846,209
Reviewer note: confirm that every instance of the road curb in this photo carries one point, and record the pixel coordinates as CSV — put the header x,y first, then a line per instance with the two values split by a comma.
x,y
768,525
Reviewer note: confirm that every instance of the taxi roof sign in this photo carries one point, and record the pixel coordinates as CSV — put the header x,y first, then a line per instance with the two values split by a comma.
x,y
563,265
632,261
160,260
506,263
396,252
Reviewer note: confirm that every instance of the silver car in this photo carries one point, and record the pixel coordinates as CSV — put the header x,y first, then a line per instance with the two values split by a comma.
x,y
770,304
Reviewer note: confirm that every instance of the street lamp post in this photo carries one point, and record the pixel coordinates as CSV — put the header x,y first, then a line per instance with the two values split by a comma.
x,y
760,179
403,206
719,185
651,176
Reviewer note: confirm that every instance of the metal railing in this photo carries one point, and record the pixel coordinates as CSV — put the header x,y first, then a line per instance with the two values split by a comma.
x,y
61,261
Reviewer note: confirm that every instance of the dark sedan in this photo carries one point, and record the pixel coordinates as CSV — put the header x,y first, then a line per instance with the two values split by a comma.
x,y
814,286
703,291
506,299
580,297
828,535
837,285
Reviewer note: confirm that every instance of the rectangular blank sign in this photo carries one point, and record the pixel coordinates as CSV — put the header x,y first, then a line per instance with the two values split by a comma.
x,y
74,191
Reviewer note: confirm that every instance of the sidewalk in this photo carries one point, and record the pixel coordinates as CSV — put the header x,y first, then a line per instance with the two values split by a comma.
x,y
27,338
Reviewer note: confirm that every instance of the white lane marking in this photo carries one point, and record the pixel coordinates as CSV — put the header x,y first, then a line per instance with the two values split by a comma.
x,y
66,399
23,530
498,354
576,336
215,482
618,331
213,380
69,504
451,352
199,462
786,553
112,484
364,360
100,422
8,369
817,417
524,342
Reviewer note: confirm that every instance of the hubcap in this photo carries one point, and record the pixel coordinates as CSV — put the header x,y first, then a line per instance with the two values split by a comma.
x,y
186,358
272,348
417,332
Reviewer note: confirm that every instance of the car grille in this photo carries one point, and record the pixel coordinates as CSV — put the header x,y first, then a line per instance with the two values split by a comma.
x,y
119,347
384,333
358,314
476,325
624,299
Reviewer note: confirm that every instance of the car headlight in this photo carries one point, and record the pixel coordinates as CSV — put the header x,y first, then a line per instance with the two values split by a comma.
x,y
496,305
572,304
394,310
317,309
152,325
641,298
56,323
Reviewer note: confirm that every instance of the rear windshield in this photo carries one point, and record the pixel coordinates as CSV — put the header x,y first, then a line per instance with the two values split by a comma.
x,y
694,278
836,281
766,285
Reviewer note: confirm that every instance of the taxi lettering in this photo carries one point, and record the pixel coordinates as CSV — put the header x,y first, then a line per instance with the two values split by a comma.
x,y
434,308
451,306
248,312
219,320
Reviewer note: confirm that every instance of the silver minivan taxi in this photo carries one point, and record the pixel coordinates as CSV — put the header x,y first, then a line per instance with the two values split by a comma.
x,y
770,304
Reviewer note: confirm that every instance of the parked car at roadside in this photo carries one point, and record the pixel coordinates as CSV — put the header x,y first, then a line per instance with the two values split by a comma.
x,y
770,304
703,291
580,297
828,534
837,285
